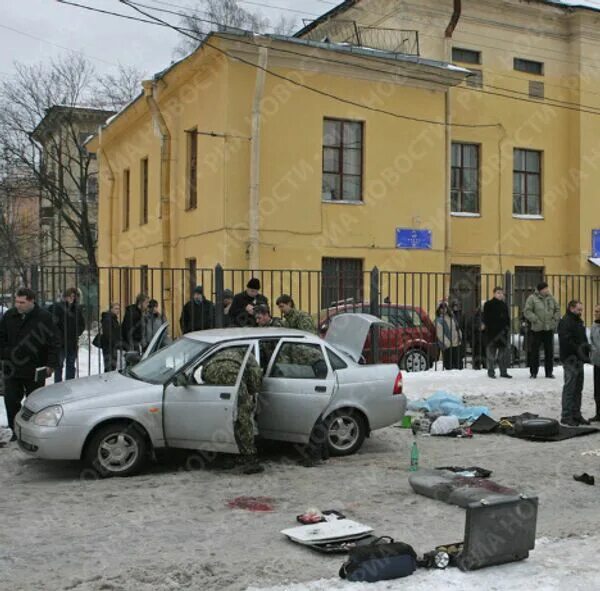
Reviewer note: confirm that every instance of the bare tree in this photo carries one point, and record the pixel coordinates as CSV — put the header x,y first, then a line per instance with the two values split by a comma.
x,y
286,25
19,223
70,101
223,15
113,91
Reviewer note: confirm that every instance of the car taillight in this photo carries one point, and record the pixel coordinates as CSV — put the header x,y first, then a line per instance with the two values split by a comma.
x,y
398,384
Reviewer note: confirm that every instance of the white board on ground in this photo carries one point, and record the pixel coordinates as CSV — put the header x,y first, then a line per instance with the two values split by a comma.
x,y
328,531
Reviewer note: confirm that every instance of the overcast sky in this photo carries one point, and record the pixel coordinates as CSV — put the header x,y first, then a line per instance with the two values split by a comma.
x,y
36,30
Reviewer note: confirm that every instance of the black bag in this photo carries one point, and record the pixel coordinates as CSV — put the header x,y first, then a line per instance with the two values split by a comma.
x,y
97,342
381,560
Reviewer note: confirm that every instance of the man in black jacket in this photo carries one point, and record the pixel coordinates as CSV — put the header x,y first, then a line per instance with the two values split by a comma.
x,y
496,322
574,352
28,340
198,313
132,328
241,312
69,320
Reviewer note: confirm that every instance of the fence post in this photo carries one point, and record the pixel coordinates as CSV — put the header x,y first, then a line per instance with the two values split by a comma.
x,y
508,288
34,281
219,287
374,309
374,292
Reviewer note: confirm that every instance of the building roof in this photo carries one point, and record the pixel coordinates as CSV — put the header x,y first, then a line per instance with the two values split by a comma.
x,y
54,112
344,48
348,4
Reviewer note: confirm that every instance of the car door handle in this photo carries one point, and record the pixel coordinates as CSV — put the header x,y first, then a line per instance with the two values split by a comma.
x,y
225,395
320,389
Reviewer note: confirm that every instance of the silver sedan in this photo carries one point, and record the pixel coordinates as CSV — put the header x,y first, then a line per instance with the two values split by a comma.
x,y
114,420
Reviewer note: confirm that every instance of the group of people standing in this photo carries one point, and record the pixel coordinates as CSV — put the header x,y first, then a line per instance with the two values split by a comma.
x,y
142,319
246,309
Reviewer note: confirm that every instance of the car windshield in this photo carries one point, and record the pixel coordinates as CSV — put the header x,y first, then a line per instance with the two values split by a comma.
x,y
160,367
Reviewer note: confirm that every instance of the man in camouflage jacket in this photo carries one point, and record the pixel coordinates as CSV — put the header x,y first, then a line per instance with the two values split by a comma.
x,y
223,369
293,318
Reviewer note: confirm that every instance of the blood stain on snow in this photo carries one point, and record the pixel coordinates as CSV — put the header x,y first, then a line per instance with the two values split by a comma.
x,y
255,504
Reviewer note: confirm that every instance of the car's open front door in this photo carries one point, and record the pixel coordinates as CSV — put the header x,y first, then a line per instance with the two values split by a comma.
x,y
201,416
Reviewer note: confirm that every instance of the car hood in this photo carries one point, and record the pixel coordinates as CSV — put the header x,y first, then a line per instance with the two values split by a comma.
x,y
349,331
82,388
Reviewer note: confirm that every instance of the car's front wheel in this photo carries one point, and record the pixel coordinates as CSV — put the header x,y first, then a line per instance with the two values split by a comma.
x,y
346,432
117,449
415,360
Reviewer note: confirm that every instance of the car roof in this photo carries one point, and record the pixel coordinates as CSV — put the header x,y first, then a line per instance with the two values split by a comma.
x,y
217,335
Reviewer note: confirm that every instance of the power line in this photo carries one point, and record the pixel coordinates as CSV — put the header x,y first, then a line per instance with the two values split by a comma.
x,y
558,103
386,16
25,34
281,76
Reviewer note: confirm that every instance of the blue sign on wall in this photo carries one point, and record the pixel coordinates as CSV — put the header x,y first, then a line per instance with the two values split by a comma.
x,y
414,239
595,244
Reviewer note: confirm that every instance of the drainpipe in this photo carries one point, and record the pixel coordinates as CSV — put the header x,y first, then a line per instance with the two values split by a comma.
x,y
447,134
111,198
165,185
253,211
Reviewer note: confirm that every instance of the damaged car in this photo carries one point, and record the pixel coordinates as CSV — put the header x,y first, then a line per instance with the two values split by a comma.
x,y
114,421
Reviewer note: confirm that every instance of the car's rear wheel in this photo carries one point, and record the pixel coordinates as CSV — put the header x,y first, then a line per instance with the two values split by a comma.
x,y
346,432
415,360
117,449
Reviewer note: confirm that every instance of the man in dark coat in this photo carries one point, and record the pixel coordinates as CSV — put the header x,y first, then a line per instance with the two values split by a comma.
x,y
69,320
496,321
132,328
28,340
198,313
241,312
574,352
110,337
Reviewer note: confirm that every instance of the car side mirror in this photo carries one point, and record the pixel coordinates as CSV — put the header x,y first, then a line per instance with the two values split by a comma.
x,y
132,358
181,380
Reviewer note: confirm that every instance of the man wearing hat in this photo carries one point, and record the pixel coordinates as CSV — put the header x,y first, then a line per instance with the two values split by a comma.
x,y
198,313
241,312
543,314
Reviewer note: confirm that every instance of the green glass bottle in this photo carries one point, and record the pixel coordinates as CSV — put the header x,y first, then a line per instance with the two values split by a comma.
x,y
414,457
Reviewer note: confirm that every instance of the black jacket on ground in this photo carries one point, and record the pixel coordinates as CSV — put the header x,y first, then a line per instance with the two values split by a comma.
x,y
132,328
197,316
110,335
572,339
238,315
496,319
28,342
70,323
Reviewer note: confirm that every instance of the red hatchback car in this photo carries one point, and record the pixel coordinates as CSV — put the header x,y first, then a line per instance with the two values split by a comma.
x,y
412,343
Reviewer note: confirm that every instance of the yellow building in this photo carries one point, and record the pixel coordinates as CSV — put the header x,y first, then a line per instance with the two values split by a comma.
x,y
235,154
523,192
313,152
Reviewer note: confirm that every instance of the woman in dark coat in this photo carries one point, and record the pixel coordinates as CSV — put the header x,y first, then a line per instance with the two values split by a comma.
x,y
110,337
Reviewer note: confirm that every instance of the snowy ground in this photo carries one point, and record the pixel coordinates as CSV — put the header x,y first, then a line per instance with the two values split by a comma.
x,y
170,528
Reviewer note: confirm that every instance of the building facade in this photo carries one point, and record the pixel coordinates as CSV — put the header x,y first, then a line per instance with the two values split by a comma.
x,y
341,149
523,191
69,179
288,169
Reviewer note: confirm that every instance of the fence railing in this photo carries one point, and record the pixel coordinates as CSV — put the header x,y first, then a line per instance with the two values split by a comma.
x,y
407,300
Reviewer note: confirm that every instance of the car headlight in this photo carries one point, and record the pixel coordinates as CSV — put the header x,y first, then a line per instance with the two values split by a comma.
x,y
48,417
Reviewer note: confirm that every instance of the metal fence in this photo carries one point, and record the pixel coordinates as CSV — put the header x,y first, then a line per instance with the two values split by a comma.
x,y
407,300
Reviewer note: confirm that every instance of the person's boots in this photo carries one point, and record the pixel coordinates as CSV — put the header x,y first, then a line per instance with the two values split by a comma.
x,y
251,465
